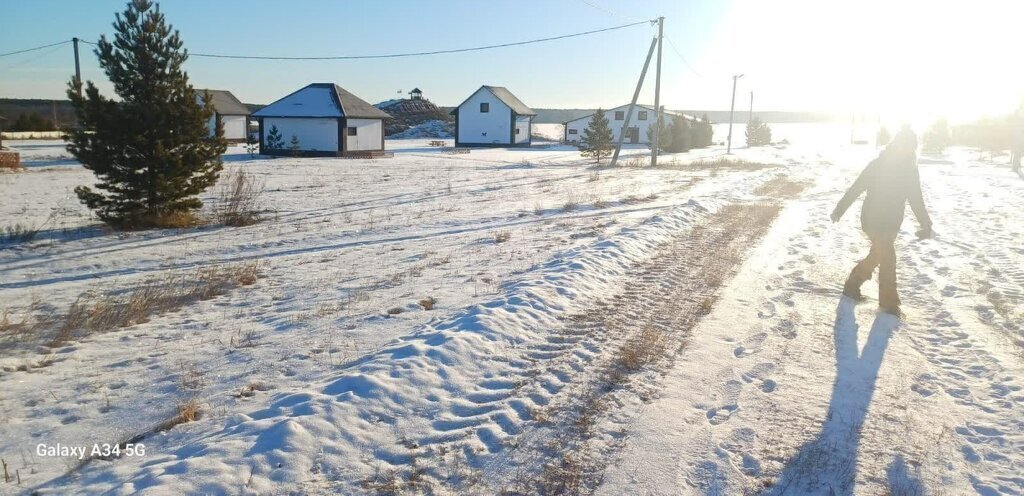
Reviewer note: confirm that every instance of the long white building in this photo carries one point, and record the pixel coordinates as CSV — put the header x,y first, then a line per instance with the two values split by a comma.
x,y
643,118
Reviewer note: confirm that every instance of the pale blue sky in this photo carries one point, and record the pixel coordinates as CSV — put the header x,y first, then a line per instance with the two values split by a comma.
x,y
914,56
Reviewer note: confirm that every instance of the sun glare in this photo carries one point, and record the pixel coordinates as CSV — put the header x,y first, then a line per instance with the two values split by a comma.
x,y
905,60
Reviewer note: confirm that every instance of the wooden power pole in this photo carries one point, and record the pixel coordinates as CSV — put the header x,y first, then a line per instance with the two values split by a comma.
x,y
657,98
78,68
632,103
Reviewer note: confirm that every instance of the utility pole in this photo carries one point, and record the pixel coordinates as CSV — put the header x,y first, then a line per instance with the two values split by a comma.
x,y
750,115
657,98
78,68
732,107
632,104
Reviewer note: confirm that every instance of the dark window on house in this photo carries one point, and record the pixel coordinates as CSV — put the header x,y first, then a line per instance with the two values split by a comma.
x,y
619,115
485,107
573,131
352,131
517,130
642,115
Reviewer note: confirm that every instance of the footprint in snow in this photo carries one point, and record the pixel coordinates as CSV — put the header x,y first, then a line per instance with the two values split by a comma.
x,y
721,414
750,345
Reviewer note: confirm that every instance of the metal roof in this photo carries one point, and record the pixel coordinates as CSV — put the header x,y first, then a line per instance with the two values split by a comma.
x,y
506,97
225,103
322,100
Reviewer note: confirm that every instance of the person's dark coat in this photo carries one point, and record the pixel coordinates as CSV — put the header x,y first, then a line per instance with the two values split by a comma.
x,y
891,180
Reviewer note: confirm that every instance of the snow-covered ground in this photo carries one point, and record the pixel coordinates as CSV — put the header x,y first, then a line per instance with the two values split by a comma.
x,y
512,243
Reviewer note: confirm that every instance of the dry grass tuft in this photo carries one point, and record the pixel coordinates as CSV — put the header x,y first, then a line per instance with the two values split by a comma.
x,y
780,187
502,236
641,349
716,164
165,220
239,198
188,411
96,311
428,303
17,233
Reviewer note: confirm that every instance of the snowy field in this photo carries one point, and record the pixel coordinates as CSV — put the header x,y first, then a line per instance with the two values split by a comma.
x,y
328,375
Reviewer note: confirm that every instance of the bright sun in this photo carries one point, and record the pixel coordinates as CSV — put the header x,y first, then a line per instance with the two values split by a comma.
x,y
909,60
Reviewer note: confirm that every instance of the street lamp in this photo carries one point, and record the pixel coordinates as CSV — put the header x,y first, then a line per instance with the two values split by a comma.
x,y
732,107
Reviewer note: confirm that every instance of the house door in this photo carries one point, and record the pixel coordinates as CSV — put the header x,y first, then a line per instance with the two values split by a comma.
x,y
633,135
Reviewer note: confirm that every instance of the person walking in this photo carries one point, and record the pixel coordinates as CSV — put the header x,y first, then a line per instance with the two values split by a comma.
x,y
891,180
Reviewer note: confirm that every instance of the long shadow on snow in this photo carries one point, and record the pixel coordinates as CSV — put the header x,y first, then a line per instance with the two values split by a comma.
x,y
828,463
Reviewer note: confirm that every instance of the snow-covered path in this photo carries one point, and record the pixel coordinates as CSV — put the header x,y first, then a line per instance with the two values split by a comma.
x,y
544,272
787,388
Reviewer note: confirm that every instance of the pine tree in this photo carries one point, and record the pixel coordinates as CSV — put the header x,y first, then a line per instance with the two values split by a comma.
x,y
252,144
681,135
274,139
758,133
664,138
702,133
151,151
295,146
883,137
597,137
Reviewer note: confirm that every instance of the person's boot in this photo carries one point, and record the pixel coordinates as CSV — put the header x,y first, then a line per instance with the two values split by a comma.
x,y
852,290
892,310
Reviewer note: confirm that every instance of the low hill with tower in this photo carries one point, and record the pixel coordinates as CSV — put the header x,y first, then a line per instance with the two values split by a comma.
x,y
410,112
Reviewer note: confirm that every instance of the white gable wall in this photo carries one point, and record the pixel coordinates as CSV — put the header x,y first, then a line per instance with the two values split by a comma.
x,y
234,126
616,125
523,129
368,134
488,128
314,134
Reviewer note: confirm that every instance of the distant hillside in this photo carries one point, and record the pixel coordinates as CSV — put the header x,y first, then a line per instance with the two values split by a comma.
x,y
59,111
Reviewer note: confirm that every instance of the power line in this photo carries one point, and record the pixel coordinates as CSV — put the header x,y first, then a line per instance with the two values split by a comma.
x,y
609,12
36,48
32,59
411,54
680,54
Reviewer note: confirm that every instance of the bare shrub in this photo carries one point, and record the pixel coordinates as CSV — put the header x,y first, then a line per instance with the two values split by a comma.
x,y
502,236
239,199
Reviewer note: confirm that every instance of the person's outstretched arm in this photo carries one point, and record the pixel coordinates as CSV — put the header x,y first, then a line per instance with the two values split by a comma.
x,y
855,190
916,200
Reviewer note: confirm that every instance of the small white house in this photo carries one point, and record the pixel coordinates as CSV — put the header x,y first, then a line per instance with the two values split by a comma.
x,y
493,116
643,118
327,120
232,113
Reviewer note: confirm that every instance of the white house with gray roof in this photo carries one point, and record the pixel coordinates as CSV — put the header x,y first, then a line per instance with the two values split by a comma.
x,y
493,116
232,113
327,120
643,118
